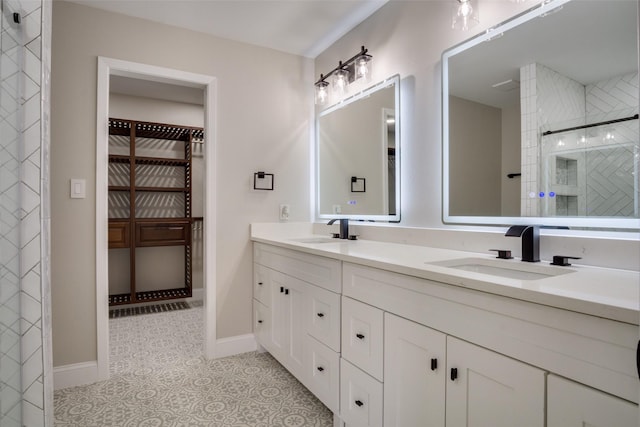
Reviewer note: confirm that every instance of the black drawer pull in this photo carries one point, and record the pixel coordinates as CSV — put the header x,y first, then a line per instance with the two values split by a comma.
x,y
434,364
359,403
281,289
259,321
638,359
320,368
286,291
360,336
454,374
320,314
259,283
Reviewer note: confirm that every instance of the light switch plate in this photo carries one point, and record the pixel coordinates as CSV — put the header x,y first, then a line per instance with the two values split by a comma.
x,y
78,189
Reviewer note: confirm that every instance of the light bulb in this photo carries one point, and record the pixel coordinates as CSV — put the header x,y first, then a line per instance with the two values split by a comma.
x,y
341,81
363,67
465,15
322,92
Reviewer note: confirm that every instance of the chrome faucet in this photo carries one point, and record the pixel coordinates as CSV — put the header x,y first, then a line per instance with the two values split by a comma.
x,y
344,227
530,241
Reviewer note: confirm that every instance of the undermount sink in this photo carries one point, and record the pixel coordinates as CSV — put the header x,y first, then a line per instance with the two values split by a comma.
x,y
511,269
319,239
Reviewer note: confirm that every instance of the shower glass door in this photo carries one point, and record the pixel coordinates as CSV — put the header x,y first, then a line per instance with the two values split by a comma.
x,y
11,60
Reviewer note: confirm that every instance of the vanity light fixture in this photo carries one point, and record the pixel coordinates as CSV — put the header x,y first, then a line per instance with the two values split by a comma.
x,y
465,15
356,67
341,79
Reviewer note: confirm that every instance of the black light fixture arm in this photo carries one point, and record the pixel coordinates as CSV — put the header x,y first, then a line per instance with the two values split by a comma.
x,y
343,64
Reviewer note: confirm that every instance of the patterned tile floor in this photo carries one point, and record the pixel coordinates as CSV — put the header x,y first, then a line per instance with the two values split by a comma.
x,y
159,377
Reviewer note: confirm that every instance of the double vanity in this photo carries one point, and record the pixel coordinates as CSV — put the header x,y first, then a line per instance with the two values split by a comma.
x,y
387,334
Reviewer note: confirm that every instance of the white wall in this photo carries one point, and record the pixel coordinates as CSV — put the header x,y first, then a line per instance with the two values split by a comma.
x,y
408,38
264,108
475,158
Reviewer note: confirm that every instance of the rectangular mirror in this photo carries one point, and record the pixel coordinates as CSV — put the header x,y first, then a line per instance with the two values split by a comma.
x,y
357,151
540,119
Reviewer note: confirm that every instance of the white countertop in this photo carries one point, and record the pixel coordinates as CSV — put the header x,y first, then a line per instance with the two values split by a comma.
x,y
608,293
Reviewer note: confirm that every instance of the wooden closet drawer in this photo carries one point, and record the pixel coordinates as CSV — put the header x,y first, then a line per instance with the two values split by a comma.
x,y
163,233
119,235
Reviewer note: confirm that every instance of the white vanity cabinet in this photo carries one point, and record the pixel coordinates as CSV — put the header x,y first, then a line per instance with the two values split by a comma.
x,y
570,404
387,349
300,294
430,377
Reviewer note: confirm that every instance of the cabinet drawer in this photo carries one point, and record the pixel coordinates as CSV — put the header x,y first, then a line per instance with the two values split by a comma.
x,y
360,397
362,336
317,270
163,233
323,373
573,404
119,234
261,284
323,321
261,323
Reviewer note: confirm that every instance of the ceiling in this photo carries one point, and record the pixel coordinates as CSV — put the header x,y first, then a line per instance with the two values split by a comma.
x,y
300,27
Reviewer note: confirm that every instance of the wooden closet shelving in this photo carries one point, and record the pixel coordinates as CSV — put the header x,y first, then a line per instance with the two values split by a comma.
x,y
137,221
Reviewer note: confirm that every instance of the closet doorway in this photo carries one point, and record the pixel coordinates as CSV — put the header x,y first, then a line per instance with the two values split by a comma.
x,y
181,84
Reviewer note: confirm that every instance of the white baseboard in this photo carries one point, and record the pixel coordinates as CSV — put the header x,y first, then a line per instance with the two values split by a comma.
x,y
75,374
235,345
87,372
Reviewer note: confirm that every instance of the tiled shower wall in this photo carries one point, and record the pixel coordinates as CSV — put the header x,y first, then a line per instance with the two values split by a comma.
x,y
545,97
551,100
25,324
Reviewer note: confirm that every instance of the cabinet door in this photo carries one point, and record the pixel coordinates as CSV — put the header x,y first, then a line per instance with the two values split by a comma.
x,y
414,374
323,317
488,389
360,397
261,323
279,316
261,284
571,404
362,336
322,375
295,303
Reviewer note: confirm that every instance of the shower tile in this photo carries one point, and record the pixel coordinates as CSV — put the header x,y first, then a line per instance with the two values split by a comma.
x,y
31,172
31,310
31,285
32,368
32,415
31,25
31,111
30,199
31,341
35,46
32,66
31,139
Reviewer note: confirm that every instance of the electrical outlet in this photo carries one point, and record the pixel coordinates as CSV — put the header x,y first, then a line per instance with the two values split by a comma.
x,y
284,212
337,209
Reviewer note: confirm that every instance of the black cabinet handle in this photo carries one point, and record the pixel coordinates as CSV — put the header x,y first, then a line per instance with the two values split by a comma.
x,y
359,403
454,374
259,283
320,368
320,314
286,291
434,364
281,289
360,336
259,321
638,358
